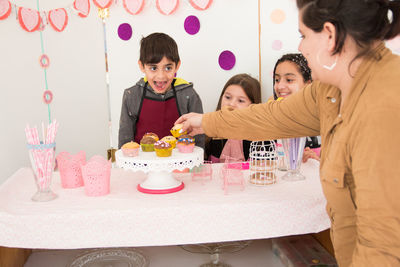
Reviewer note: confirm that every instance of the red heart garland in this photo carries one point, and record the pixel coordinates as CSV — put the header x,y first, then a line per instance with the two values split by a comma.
x,y
102,3
201,4
58,19
133,7
83,7
5,9
167,7
29,19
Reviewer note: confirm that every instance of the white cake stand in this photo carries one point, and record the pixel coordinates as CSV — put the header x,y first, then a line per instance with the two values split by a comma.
x,y
159,169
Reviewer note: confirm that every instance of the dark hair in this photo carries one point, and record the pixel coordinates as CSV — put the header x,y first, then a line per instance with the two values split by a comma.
x,y
301,63
365,21
156,46
250,86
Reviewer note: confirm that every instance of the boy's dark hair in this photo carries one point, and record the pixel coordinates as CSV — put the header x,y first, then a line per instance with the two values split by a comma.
x,y
156,46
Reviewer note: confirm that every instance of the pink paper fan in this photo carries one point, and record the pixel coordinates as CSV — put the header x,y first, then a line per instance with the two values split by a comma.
x,y
29,19
5,9
133,7
167,7
83,7
58,19
201,4
102,3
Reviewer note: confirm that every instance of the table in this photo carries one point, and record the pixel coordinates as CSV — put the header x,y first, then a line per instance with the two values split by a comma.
x,y
127,218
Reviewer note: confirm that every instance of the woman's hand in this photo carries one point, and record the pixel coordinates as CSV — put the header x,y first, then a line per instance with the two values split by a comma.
x,y
309,154
191,123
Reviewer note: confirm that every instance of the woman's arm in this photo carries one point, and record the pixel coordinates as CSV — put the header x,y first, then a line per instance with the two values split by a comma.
x,y
297,115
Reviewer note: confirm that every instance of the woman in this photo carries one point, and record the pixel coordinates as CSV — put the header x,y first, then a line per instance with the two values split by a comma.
x,y
354,104
240,91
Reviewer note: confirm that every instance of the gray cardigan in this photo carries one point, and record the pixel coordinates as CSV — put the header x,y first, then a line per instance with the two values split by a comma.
x,y
187,98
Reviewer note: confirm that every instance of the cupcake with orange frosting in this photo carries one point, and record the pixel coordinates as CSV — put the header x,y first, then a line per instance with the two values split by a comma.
x,y
170,139
153,135
147,144
185,143
176,130
163,149
130,149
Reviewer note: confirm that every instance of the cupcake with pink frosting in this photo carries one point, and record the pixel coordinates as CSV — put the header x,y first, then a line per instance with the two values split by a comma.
x,y
185,143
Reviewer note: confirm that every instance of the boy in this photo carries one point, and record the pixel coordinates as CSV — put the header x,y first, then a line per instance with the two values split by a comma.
x,y
158,99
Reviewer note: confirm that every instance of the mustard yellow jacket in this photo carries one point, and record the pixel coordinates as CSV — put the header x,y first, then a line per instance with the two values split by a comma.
x,y
360,155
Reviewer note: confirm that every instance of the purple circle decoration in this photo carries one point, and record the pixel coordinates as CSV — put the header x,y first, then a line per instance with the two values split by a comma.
x,y
277,45
125,31
226,60
192,25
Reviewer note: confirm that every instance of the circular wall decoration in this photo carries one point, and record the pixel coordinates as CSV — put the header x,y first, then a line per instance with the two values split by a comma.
x,y
227,60
125,31
47,96
44,61
192,25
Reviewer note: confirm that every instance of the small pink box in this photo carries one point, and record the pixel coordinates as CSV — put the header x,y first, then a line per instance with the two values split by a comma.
x,y
70,169
96,176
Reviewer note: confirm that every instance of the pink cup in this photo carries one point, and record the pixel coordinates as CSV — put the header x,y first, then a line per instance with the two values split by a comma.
x,y
70,169
96,176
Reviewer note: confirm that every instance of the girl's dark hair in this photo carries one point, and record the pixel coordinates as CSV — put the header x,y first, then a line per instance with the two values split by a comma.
x,y
250,86
365,21
301,63
156,46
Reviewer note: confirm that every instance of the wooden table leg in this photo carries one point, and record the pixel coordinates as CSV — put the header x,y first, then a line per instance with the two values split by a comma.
x,y
15,257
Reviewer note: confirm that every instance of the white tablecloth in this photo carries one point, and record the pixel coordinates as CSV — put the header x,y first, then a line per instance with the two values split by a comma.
x,y
200,213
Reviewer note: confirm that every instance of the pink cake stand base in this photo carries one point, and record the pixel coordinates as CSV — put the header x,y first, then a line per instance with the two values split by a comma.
x,y
160,191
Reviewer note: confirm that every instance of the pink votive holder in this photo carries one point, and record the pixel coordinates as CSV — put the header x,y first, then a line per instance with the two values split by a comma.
x,y
70,169
96,176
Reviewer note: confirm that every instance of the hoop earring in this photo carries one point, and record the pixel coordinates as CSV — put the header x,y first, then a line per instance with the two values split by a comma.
x,y
331,67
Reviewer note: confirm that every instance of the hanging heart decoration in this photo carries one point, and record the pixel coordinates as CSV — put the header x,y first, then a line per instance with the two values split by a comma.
x,y
133,7
167,7
5,9
29,19
83,7
58,19
201,4
102,3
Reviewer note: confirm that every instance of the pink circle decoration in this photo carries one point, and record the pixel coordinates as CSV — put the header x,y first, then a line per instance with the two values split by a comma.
x,y
47,96
278,16
125,31
133,7
44,61
192,25
277,45
227,60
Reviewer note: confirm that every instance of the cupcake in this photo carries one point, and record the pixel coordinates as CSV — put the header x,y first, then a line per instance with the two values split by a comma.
x,y
130,149
176,130
153,135
185,143
147,144
170,139
162,148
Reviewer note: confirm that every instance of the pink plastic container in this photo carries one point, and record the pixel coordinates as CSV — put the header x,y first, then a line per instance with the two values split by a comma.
x,y
70,169
96,176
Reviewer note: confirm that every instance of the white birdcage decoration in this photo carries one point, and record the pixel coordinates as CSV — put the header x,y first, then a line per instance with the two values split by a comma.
x,y
263,162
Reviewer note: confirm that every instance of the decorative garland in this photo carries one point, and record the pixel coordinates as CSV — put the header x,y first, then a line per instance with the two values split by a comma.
x,y
34,20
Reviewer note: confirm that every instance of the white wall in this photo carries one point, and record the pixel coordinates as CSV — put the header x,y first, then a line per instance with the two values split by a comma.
x,y
77,67
75,76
